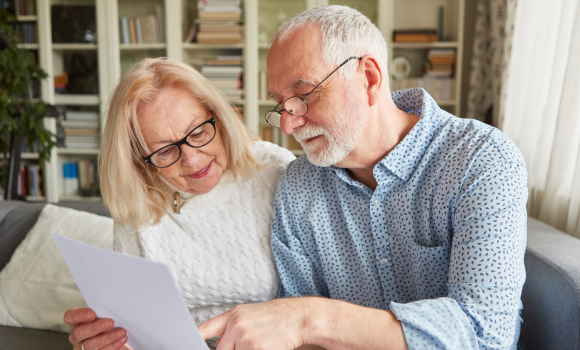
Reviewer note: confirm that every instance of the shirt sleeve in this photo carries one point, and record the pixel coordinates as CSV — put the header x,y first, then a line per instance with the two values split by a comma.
x,y
126,241
486,271
299,275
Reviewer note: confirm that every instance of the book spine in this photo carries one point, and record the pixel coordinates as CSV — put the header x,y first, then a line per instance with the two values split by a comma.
x,y
138,30
132,30
158,28
125,30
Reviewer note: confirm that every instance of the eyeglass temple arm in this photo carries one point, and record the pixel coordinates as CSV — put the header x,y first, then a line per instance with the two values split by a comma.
x,y
328,76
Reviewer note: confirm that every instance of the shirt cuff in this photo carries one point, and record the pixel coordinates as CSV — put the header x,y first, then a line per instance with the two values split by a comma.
x,y
435,324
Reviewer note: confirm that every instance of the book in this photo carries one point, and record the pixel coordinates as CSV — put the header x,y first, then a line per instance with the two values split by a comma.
x,y
138,30
219,38
82,116
125,30
159,23
132,31
224,15
415,38
415,35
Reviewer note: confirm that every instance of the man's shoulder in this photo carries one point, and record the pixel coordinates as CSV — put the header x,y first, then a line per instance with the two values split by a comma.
x,y
478,142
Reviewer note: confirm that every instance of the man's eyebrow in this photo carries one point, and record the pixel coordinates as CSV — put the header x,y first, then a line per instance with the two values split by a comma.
x,y
300,83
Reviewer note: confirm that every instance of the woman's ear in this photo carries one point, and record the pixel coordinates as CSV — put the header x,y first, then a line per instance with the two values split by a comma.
x,y
373,78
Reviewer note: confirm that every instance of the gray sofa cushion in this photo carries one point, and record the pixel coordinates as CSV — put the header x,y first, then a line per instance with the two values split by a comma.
x,y
551,294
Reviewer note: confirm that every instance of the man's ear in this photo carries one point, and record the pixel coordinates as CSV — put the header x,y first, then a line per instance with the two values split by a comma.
x,y
373,78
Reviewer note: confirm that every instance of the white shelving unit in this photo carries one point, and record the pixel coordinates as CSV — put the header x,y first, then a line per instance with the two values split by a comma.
x,y
424,14
261,18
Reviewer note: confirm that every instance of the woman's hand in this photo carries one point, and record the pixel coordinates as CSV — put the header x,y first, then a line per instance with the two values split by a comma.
x,y
90,333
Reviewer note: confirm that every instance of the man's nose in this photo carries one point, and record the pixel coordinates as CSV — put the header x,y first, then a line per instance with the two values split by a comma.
x,y
288,122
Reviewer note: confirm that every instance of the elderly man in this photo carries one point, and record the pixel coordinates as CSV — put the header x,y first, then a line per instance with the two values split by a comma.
x,y
403,227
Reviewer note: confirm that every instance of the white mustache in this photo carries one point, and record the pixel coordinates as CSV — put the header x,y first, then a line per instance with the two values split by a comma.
x,y
307,132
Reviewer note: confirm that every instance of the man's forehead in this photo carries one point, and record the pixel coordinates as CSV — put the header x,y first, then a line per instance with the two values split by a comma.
x,y
289,74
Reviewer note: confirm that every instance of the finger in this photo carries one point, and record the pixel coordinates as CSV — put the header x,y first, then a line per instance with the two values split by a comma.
x,y
105,339
225,344
214,327
74,317
89,330
118,345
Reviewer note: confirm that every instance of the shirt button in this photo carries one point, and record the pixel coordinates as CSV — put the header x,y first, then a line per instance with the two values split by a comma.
x,y
404,172
376,201
384,260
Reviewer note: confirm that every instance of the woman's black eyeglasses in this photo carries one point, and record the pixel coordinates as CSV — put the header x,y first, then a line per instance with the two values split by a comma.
x,y
295,105
170,154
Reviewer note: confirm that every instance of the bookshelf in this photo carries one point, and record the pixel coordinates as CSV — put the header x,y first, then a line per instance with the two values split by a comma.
x,y
259,17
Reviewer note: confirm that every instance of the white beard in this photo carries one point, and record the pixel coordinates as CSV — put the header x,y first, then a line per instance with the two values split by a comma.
x,y
340,137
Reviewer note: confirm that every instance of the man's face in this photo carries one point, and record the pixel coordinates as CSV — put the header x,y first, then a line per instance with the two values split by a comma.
x,y
329,130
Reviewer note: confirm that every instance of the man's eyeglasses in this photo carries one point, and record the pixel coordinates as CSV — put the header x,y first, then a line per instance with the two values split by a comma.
x,y
170,154
295,105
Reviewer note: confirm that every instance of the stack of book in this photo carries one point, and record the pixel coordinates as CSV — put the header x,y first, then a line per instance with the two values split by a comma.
x,y
144,29
26,33
81,178
21,7
81,130
415,35
225,73
439,88
441,63
30,181
219,22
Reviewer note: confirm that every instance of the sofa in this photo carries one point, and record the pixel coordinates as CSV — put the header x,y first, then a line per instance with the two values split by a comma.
x,y
551,294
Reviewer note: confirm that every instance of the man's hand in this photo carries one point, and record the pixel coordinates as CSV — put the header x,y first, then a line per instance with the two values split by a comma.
x,y
275,325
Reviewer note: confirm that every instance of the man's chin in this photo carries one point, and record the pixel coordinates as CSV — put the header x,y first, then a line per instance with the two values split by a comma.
x,y
323,157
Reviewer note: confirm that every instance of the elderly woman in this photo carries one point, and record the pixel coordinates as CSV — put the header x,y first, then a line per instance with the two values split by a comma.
x,y
187,187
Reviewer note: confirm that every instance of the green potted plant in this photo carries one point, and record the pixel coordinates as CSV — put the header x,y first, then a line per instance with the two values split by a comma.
x,y
21,116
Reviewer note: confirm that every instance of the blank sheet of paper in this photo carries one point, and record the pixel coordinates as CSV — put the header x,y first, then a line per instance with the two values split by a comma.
x,y
138,294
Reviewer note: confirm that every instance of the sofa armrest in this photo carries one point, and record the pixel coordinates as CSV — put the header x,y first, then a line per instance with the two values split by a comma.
x,y
17,218
15,338
551,294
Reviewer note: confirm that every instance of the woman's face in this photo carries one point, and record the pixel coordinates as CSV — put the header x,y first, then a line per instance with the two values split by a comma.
x,y
168,119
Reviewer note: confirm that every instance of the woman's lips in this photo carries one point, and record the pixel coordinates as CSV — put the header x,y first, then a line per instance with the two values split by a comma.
x,y
203,172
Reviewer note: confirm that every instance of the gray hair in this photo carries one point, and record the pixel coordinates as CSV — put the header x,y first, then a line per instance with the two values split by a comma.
x,y
345,32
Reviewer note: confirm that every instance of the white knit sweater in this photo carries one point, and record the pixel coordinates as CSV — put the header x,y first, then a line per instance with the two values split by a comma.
x,y
218,247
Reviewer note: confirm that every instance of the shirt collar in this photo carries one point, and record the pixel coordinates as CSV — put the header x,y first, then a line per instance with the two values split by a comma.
x,y
405,157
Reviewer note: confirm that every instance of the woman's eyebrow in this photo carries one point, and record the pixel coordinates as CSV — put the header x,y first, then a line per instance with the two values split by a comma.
x,y
189,128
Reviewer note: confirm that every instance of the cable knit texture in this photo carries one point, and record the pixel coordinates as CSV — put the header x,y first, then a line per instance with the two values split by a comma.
x,y
218,247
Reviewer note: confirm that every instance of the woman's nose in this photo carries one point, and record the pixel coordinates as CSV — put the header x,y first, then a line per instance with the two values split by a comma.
x,y
189,155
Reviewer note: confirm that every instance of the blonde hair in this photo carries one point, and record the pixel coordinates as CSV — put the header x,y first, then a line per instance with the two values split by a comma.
x,y
133,191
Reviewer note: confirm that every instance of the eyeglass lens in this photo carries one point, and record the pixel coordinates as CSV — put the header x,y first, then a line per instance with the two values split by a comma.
x,y
199,137
294,105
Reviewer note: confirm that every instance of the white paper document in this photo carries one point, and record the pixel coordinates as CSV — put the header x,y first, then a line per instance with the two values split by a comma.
x,y
138,294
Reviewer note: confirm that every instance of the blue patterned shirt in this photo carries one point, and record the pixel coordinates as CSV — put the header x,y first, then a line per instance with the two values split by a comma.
x,y
440,242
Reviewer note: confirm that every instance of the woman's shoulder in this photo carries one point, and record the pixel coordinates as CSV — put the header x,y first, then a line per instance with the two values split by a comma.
x,y
273,161
267,154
